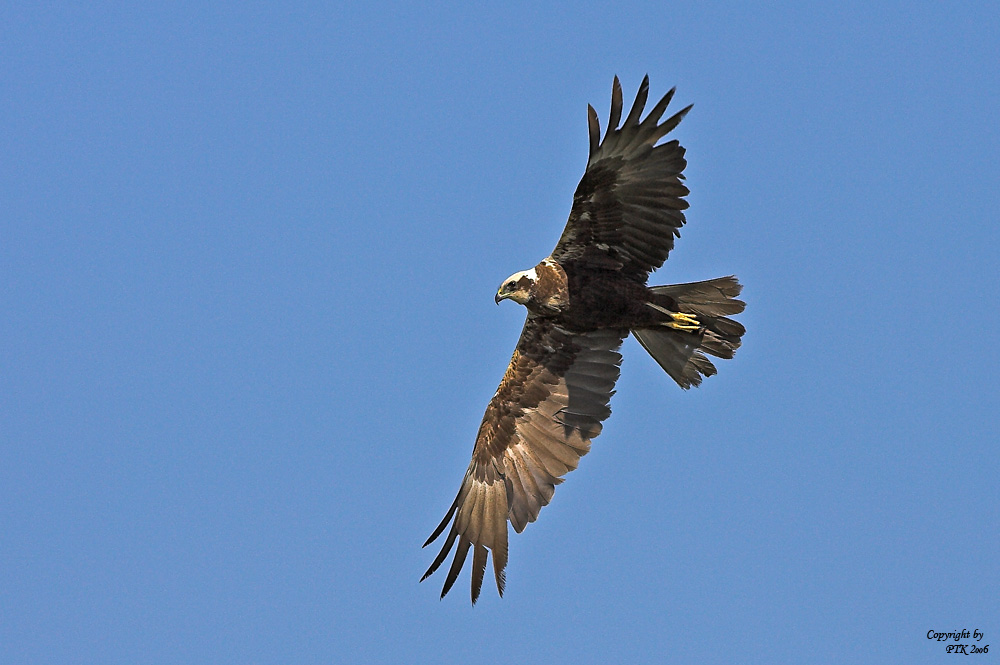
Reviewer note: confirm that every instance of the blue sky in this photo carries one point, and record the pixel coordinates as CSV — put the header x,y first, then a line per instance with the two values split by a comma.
x,y
249,253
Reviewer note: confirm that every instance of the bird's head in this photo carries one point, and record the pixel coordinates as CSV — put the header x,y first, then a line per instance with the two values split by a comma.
x,y
518,287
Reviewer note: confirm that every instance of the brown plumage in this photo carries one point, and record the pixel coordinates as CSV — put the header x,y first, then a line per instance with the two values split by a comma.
x,y
582,301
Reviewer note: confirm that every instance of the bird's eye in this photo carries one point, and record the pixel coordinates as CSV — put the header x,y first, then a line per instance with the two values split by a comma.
x,y
509,286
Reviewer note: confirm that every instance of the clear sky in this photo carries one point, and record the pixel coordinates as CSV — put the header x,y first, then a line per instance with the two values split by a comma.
x,y
248,256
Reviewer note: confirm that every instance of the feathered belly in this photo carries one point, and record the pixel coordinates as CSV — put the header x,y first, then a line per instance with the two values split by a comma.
x,y
616,305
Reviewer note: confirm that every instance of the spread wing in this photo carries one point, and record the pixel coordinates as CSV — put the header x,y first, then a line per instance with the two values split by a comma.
x,y
539,423
627,207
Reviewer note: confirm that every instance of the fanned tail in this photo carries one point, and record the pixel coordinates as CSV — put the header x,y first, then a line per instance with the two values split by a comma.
x,y
681,353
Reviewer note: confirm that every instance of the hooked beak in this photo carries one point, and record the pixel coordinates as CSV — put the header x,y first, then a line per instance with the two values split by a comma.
x,y
498,298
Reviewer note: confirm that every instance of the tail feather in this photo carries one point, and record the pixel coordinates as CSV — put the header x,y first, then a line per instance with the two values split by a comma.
x,y
681,354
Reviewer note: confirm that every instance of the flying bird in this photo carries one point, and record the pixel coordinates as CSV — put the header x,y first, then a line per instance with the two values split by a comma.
x,y
582,301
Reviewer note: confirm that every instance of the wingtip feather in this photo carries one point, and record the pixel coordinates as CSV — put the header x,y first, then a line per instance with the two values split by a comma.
x,y
594,129
616,108
442,555
461,552
639,104
444,522
478,571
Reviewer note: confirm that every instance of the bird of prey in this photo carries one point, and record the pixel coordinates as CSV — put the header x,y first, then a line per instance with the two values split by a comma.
x,y
582,301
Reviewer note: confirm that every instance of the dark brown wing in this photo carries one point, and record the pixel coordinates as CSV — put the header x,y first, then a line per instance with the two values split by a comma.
x,y
627,207
539,423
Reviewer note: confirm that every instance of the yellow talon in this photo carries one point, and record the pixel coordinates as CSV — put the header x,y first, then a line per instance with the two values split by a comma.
x,y
683,322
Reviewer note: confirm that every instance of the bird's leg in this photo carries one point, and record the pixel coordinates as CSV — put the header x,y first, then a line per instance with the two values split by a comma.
x,y
680,321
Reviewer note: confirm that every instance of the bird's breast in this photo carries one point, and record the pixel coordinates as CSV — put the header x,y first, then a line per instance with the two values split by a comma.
x,y
550,292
